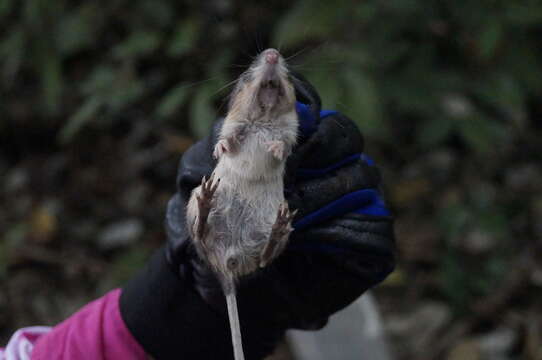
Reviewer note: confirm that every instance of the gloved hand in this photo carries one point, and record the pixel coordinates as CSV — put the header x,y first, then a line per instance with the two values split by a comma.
x,y
342,244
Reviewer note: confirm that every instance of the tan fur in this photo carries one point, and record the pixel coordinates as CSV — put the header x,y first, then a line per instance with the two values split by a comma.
x,y
243,223
245,206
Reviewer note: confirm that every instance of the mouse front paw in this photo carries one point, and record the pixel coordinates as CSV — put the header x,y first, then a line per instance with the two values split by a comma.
x,y
207,191
221,147
276,148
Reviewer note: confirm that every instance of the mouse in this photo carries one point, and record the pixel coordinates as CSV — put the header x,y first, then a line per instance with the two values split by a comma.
x,y
238,218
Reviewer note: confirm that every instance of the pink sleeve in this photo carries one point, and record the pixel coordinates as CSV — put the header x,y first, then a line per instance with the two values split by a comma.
x,y
97,331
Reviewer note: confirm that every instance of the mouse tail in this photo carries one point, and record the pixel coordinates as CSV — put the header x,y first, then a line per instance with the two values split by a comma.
x,y
235,326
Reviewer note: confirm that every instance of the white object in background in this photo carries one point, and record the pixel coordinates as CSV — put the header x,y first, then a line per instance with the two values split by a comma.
x,y
355,333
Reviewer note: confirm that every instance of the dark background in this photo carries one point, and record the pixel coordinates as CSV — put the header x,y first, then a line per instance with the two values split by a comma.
x,y
99,99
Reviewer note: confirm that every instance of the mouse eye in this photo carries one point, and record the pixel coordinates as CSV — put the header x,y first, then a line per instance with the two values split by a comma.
x,y
232,263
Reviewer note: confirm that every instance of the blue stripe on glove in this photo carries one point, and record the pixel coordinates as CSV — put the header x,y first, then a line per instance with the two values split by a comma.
x,y
314,173
307,123
365,202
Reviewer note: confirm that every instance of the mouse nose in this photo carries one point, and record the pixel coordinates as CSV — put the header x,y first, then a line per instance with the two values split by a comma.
x,y
271,56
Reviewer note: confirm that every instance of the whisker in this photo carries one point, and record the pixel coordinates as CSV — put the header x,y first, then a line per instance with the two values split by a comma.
x,y
316,47
257,38
297,53
314,66
225,86
238,66
223,104
199,82
280,46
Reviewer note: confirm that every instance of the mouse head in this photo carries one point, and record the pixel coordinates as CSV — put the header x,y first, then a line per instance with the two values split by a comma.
x,y
264,89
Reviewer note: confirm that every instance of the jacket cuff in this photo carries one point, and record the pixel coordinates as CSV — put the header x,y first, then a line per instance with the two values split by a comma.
x,y
169,319
94,332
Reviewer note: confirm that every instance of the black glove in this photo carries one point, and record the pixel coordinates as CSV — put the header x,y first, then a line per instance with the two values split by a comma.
x,y
343,244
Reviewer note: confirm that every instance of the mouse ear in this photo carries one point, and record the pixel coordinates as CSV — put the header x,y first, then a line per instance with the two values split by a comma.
x,y
306,93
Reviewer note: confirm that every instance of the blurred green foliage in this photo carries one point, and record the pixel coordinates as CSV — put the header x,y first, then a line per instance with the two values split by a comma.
x,y
459,78
463,68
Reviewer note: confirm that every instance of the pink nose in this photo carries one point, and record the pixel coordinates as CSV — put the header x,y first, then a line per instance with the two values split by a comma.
x,y
271,56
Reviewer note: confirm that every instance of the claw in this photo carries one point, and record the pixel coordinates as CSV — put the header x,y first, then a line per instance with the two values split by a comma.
x,y
221,147
215,186
279,235
204,198
276,148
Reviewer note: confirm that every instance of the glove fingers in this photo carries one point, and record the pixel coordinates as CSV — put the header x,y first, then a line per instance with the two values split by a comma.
x,y
316,276
336,138
208,286
355,243
354,233
306,93
311,195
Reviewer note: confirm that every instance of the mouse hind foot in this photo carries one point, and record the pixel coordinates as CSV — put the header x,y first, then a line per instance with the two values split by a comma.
x,y
278,238
204,200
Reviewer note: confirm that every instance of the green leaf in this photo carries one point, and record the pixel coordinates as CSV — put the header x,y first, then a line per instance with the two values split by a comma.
x,y
13,237
173,100
365,11
51,81
416,90
3,260
184,38
523,62
434,130
76,122
201,113
127,89
116,87
328,85
100,81
157,13
309,19
504,92
489,37
217,68
12,50
453,280
523,14
494,222
481,133
5,7
76,30
33,13
16,234
138,44
453,219
361,100
124,266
